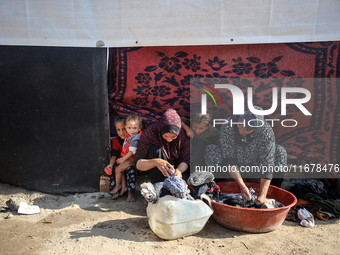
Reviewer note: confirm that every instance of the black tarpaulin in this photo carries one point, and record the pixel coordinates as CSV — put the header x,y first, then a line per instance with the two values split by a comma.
x,y
53,117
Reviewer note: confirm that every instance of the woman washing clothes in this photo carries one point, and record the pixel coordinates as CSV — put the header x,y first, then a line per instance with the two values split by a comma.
x,y
164,149
250,142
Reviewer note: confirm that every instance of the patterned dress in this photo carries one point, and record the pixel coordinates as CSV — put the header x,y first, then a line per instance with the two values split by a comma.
x,y
256,149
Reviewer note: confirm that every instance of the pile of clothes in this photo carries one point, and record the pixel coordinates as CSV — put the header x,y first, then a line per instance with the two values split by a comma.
x,y
314,197
197,184
202,183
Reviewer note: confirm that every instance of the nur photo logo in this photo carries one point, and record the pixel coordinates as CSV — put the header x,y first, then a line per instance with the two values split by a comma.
x,y
284,97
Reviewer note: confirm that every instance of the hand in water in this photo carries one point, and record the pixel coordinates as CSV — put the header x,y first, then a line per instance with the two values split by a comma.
x,y
245,193
260,199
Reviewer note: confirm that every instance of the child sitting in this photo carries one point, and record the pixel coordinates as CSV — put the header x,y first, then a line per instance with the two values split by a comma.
x,y
116,148
133,126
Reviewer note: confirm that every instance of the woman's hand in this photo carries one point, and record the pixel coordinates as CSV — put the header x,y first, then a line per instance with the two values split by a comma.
x,y
245,193
264,186
178,173
163,166
260,199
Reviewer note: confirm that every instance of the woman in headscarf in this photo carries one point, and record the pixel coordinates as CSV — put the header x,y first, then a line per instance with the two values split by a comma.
x,y
164,149
250,141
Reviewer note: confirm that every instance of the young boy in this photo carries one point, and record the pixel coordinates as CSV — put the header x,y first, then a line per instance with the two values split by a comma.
x,y
116,148
202,134
133,126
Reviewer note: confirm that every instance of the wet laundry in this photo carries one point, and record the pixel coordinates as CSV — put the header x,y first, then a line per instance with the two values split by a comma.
x,y
235,199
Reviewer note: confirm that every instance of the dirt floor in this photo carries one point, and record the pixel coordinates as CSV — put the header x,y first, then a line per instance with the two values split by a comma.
x,y
93,224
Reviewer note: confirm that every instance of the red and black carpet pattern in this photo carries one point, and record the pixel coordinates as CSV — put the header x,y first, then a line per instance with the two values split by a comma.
x,y
149,80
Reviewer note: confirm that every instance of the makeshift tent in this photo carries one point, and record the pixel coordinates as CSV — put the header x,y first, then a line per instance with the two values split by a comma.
x,y
54,114
151,79
82,23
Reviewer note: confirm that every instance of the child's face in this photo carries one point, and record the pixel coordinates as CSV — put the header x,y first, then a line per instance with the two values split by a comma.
x,y
132,127
199,128
120,128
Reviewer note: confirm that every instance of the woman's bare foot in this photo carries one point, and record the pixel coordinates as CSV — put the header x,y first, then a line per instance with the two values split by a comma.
x,y
122,191
131,196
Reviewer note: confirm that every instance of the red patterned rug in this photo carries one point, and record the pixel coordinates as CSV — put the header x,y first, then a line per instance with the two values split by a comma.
x,y
149,80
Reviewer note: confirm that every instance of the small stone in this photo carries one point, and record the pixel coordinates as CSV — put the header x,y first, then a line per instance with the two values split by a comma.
x,y
8,216
3,209
14,203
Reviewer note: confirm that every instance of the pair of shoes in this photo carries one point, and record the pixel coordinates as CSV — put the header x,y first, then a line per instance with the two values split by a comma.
x,y
199,178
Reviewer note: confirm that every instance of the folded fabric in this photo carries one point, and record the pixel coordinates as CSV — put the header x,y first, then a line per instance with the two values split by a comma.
x,y
328,205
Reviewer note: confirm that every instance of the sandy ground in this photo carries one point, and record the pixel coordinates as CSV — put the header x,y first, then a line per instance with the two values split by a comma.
x,y
93,224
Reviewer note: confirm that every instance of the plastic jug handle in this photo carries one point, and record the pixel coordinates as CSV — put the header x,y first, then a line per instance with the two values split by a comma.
x,y
206,199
